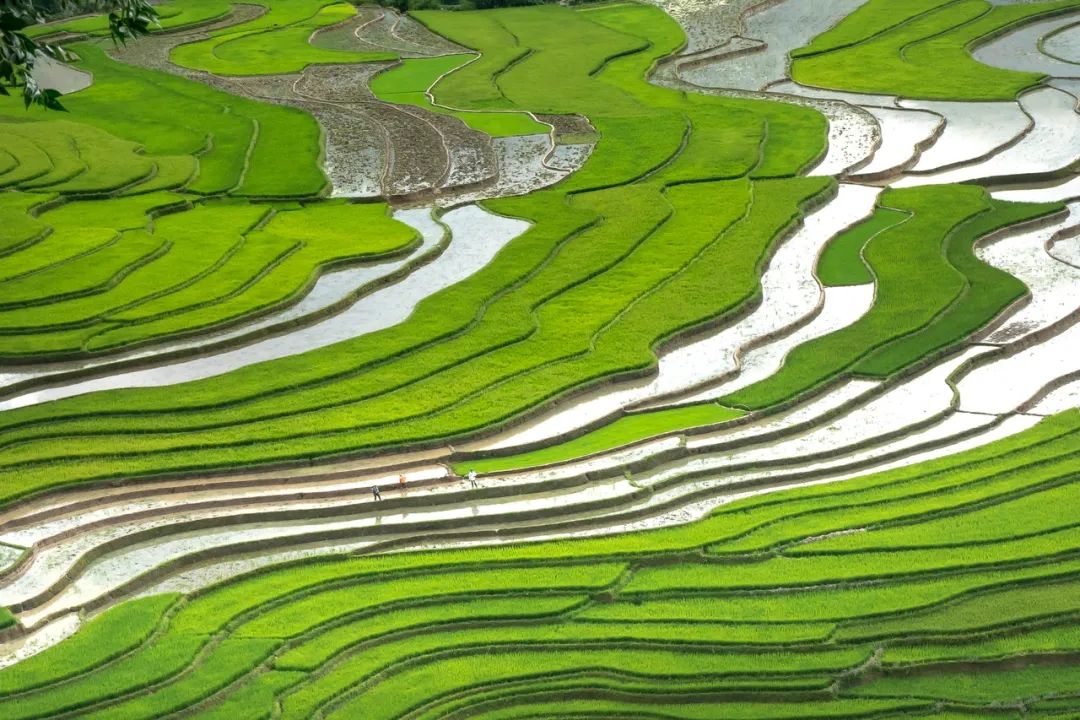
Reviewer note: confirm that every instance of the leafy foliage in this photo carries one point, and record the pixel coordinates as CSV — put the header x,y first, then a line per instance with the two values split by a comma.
x,y
18,51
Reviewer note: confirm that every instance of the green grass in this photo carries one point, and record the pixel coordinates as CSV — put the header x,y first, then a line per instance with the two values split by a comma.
x,y
102,269
301,615
336,638
1002,608
918,49
130,673
30,161
251,702
83,158
688,707
474,87
920,494
55,250
987,291
1017,516
229,661
408,689
627,429
651,276
687,592
652,261
867,21
19,227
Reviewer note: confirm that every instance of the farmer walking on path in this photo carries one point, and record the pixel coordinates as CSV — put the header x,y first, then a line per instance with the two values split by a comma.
x,y
472,477
376,493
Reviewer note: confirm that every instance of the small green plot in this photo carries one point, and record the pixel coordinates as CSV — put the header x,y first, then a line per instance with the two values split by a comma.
x,y
98,641
842,262
285,48
409,83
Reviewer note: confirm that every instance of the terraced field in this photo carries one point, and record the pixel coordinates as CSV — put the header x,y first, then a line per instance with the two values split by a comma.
x,y
686,360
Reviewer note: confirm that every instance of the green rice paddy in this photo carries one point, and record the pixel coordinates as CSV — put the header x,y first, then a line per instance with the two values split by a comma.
x,y
666,616
943,588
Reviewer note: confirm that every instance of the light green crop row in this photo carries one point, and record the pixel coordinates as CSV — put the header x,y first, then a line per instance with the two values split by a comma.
x,y
543,359
686,592
967,489
1055,638
1019,516
130,673
318,649
99,641
393,696
82,158
978,685
107,287
425,625
1001,608
681,190
238,141
842,261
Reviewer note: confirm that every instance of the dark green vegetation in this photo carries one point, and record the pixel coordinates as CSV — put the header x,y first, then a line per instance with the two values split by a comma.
x,y
843,263
20,52
958,593
918,48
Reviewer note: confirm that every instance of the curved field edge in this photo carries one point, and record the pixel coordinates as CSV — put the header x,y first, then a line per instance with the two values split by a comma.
x,y
901,49
763,152
782,598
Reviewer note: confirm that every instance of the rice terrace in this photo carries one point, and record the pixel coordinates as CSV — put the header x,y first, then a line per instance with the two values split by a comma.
x,y
492,359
